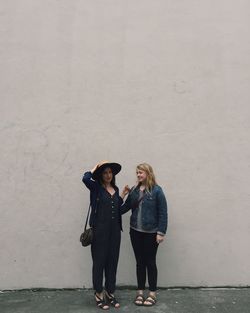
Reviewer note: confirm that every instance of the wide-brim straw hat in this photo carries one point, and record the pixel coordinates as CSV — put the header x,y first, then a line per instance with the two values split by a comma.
x,y
115,167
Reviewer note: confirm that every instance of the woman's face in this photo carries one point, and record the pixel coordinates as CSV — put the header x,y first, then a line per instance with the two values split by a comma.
x,y
141,176
107,175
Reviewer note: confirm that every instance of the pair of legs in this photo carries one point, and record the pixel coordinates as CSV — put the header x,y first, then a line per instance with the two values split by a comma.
x,y
105,251
145,250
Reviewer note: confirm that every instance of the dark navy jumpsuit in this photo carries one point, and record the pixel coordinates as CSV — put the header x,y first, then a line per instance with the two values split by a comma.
x,y
105,247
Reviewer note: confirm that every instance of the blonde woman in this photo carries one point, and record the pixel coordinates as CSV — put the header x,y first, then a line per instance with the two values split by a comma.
x,y
148,225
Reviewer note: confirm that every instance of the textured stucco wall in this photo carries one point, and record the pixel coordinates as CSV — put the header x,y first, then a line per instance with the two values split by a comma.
x,y
163,81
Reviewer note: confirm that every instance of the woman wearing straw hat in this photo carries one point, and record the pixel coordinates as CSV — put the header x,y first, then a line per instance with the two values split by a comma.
x,y
105,219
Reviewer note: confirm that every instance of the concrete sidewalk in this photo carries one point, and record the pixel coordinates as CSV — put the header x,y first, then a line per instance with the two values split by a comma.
x,y
208,300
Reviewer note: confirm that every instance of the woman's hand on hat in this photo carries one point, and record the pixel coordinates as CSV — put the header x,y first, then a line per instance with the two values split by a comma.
x,y
94,168
98,165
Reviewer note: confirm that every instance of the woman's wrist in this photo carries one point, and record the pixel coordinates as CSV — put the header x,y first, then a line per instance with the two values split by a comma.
x,y
122,195
160,233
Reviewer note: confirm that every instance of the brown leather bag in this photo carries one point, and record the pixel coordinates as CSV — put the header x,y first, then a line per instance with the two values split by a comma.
x,y
87,236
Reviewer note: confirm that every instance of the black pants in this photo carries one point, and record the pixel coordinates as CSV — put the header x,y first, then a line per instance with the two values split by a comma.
x,y
145,249
105,250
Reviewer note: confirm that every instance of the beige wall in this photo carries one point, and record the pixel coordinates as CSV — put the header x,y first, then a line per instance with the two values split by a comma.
x,y
161,81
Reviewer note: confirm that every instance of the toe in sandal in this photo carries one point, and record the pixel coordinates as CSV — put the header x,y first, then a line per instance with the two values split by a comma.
x,y
139,300
151,301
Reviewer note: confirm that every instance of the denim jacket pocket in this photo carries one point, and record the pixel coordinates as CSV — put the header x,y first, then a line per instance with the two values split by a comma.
x,y
150,199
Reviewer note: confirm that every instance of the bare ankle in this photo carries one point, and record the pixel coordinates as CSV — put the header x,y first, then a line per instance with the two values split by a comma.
x,y
152,293
99,294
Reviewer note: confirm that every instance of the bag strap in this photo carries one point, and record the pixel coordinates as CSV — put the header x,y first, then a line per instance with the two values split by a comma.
x,y
86,223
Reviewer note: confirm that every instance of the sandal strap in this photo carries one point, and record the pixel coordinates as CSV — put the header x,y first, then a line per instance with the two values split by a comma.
x,y
112,299
150,299
101,303
139,298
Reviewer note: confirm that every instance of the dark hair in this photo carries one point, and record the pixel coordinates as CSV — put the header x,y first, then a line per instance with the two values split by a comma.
x,y
113,178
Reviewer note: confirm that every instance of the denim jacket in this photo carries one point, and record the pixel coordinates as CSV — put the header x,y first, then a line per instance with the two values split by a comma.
x,y
153,206
95,193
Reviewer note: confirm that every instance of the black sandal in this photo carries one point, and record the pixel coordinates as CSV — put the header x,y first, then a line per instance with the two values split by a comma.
x,y
151,300
138,298
113,301
101,303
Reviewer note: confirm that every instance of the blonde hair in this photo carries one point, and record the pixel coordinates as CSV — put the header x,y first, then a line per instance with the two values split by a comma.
x,y
150,180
